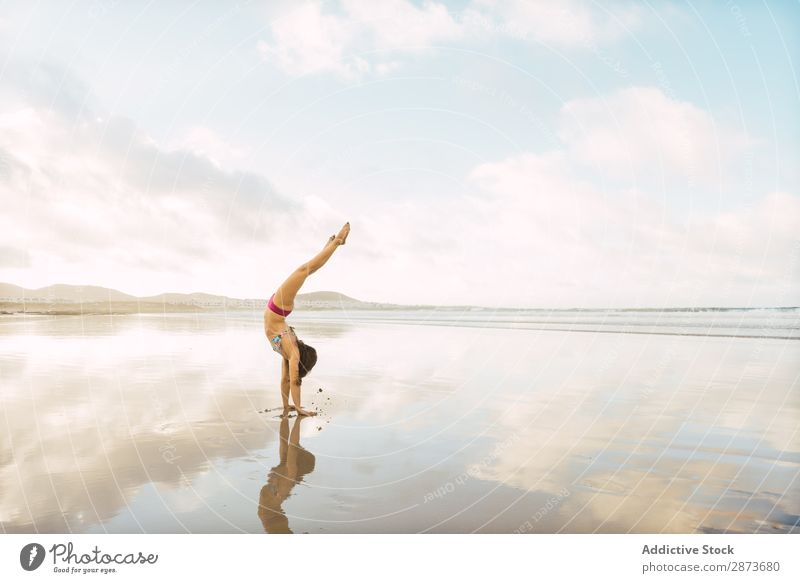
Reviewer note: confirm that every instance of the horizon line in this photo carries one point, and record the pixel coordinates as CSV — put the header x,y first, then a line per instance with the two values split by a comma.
x,y
418,305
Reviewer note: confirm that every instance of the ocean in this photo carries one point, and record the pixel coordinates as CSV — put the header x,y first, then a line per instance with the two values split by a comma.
x,y
430,420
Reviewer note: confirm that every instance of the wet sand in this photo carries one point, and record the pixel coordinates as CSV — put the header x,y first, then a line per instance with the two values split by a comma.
x,y
157,423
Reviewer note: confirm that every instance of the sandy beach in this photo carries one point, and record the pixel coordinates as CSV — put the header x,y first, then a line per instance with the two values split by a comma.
x,y
431,422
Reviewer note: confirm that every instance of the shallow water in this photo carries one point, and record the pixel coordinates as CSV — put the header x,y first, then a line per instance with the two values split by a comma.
x,y
443,421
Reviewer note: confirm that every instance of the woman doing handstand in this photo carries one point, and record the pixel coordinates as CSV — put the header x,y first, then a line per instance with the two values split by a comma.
x,y
298,357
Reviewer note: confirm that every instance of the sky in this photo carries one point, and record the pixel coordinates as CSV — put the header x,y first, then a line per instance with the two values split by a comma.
x,y
488,152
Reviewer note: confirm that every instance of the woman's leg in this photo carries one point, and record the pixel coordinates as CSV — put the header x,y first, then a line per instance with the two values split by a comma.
x,y
284,297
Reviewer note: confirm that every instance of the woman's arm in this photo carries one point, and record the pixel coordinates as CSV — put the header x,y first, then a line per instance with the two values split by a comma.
x,y
294,381
285,385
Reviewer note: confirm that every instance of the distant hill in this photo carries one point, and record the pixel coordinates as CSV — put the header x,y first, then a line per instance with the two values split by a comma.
x,y
64,293
326,296
330,299
83,299
9,290
321,300
192,298
90,299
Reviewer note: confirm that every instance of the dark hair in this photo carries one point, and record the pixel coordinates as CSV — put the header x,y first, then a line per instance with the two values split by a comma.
x,y
308,357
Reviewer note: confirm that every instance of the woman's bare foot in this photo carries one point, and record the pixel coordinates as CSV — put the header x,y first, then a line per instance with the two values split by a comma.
x,y
341,238
304,413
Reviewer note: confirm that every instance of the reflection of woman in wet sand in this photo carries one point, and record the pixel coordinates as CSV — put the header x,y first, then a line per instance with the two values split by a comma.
x,y
295,463
298,357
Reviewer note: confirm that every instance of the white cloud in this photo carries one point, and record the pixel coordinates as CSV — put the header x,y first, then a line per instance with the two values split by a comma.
x,y
88,200
360,36
578,244
579,241
308,39
568,23
639,131
528,230
205,142
401,24
99,202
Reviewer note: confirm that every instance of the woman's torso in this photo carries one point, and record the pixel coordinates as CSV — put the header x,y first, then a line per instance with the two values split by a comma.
x,y
276,325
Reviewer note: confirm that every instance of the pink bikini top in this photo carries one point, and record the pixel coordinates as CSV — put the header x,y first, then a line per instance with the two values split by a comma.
x,y
271,305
